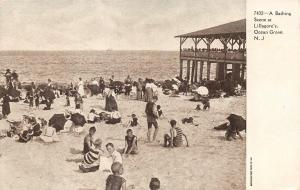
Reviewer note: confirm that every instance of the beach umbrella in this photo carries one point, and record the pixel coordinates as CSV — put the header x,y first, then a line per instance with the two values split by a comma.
x,y
202,90
237,122
57,121
78,119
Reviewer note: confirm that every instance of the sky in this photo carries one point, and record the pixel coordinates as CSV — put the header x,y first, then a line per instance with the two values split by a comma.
x,y
108,24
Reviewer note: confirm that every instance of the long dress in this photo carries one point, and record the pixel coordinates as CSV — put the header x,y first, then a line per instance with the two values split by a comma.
x,y
111,103
148,93
81,88
6,106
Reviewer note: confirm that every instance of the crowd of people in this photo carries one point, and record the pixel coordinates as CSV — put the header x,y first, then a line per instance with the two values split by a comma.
x,y
145,90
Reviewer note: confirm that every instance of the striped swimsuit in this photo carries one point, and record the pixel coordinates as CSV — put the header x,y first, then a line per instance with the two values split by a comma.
x,y
177,141
92,156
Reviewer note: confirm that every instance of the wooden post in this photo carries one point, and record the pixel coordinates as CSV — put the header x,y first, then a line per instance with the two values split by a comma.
x,y
243,72
196,71
220,71
236,71
188,71
201,71
181,68
193,72
182,40
208,70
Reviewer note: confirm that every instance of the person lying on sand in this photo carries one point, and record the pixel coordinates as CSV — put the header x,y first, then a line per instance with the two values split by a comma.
x,y
88,140
115,181
91,158
134,122
92,116
154,184
115,155
130,143
175,137
114,118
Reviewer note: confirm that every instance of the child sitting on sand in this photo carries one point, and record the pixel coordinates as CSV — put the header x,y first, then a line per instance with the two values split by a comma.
x,y
116,156
130,143
134,122
115,181
88,140
90,161
154,184
175,137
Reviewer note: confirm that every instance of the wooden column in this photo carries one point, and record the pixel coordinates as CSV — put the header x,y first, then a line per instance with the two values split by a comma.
x,y
193,72
236,70
182,40
196,71
208,70
188,71
243,71
181,68
201,71
220,71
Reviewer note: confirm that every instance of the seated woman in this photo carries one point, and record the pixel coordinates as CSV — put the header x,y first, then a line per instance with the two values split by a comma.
x,y
175,137
91,160
130,143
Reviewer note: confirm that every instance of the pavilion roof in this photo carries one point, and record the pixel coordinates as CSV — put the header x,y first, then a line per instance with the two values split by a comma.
x,y
235,28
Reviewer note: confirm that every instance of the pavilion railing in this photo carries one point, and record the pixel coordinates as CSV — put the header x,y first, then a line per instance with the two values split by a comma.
x,y
221,55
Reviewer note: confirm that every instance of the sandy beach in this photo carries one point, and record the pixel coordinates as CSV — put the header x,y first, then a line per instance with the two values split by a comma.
x,y
209,163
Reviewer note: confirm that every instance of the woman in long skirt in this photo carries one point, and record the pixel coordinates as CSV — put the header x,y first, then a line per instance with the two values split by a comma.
x,y
81,87
6,106
148,93
110,101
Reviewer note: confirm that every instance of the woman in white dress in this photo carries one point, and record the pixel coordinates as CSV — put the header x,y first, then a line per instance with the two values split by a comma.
x,y
80,87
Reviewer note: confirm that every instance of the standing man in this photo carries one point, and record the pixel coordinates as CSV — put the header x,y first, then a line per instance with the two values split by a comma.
x,y
152,117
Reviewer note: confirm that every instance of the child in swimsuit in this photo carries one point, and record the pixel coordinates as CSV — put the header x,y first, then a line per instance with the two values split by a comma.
x,y
130,143
154,184
134,122
115,181
159,110
91,159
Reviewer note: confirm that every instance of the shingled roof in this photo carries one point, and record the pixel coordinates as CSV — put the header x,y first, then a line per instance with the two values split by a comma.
x,y
236,27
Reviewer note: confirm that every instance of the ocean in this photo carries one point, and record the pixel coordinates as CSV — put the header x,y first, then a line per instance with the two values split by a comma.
x,y
68,66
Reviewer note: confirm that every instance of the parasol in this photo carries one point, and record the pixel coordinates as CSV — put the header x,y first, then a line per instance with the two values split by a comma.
x,y
78,119
57,121
237,122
